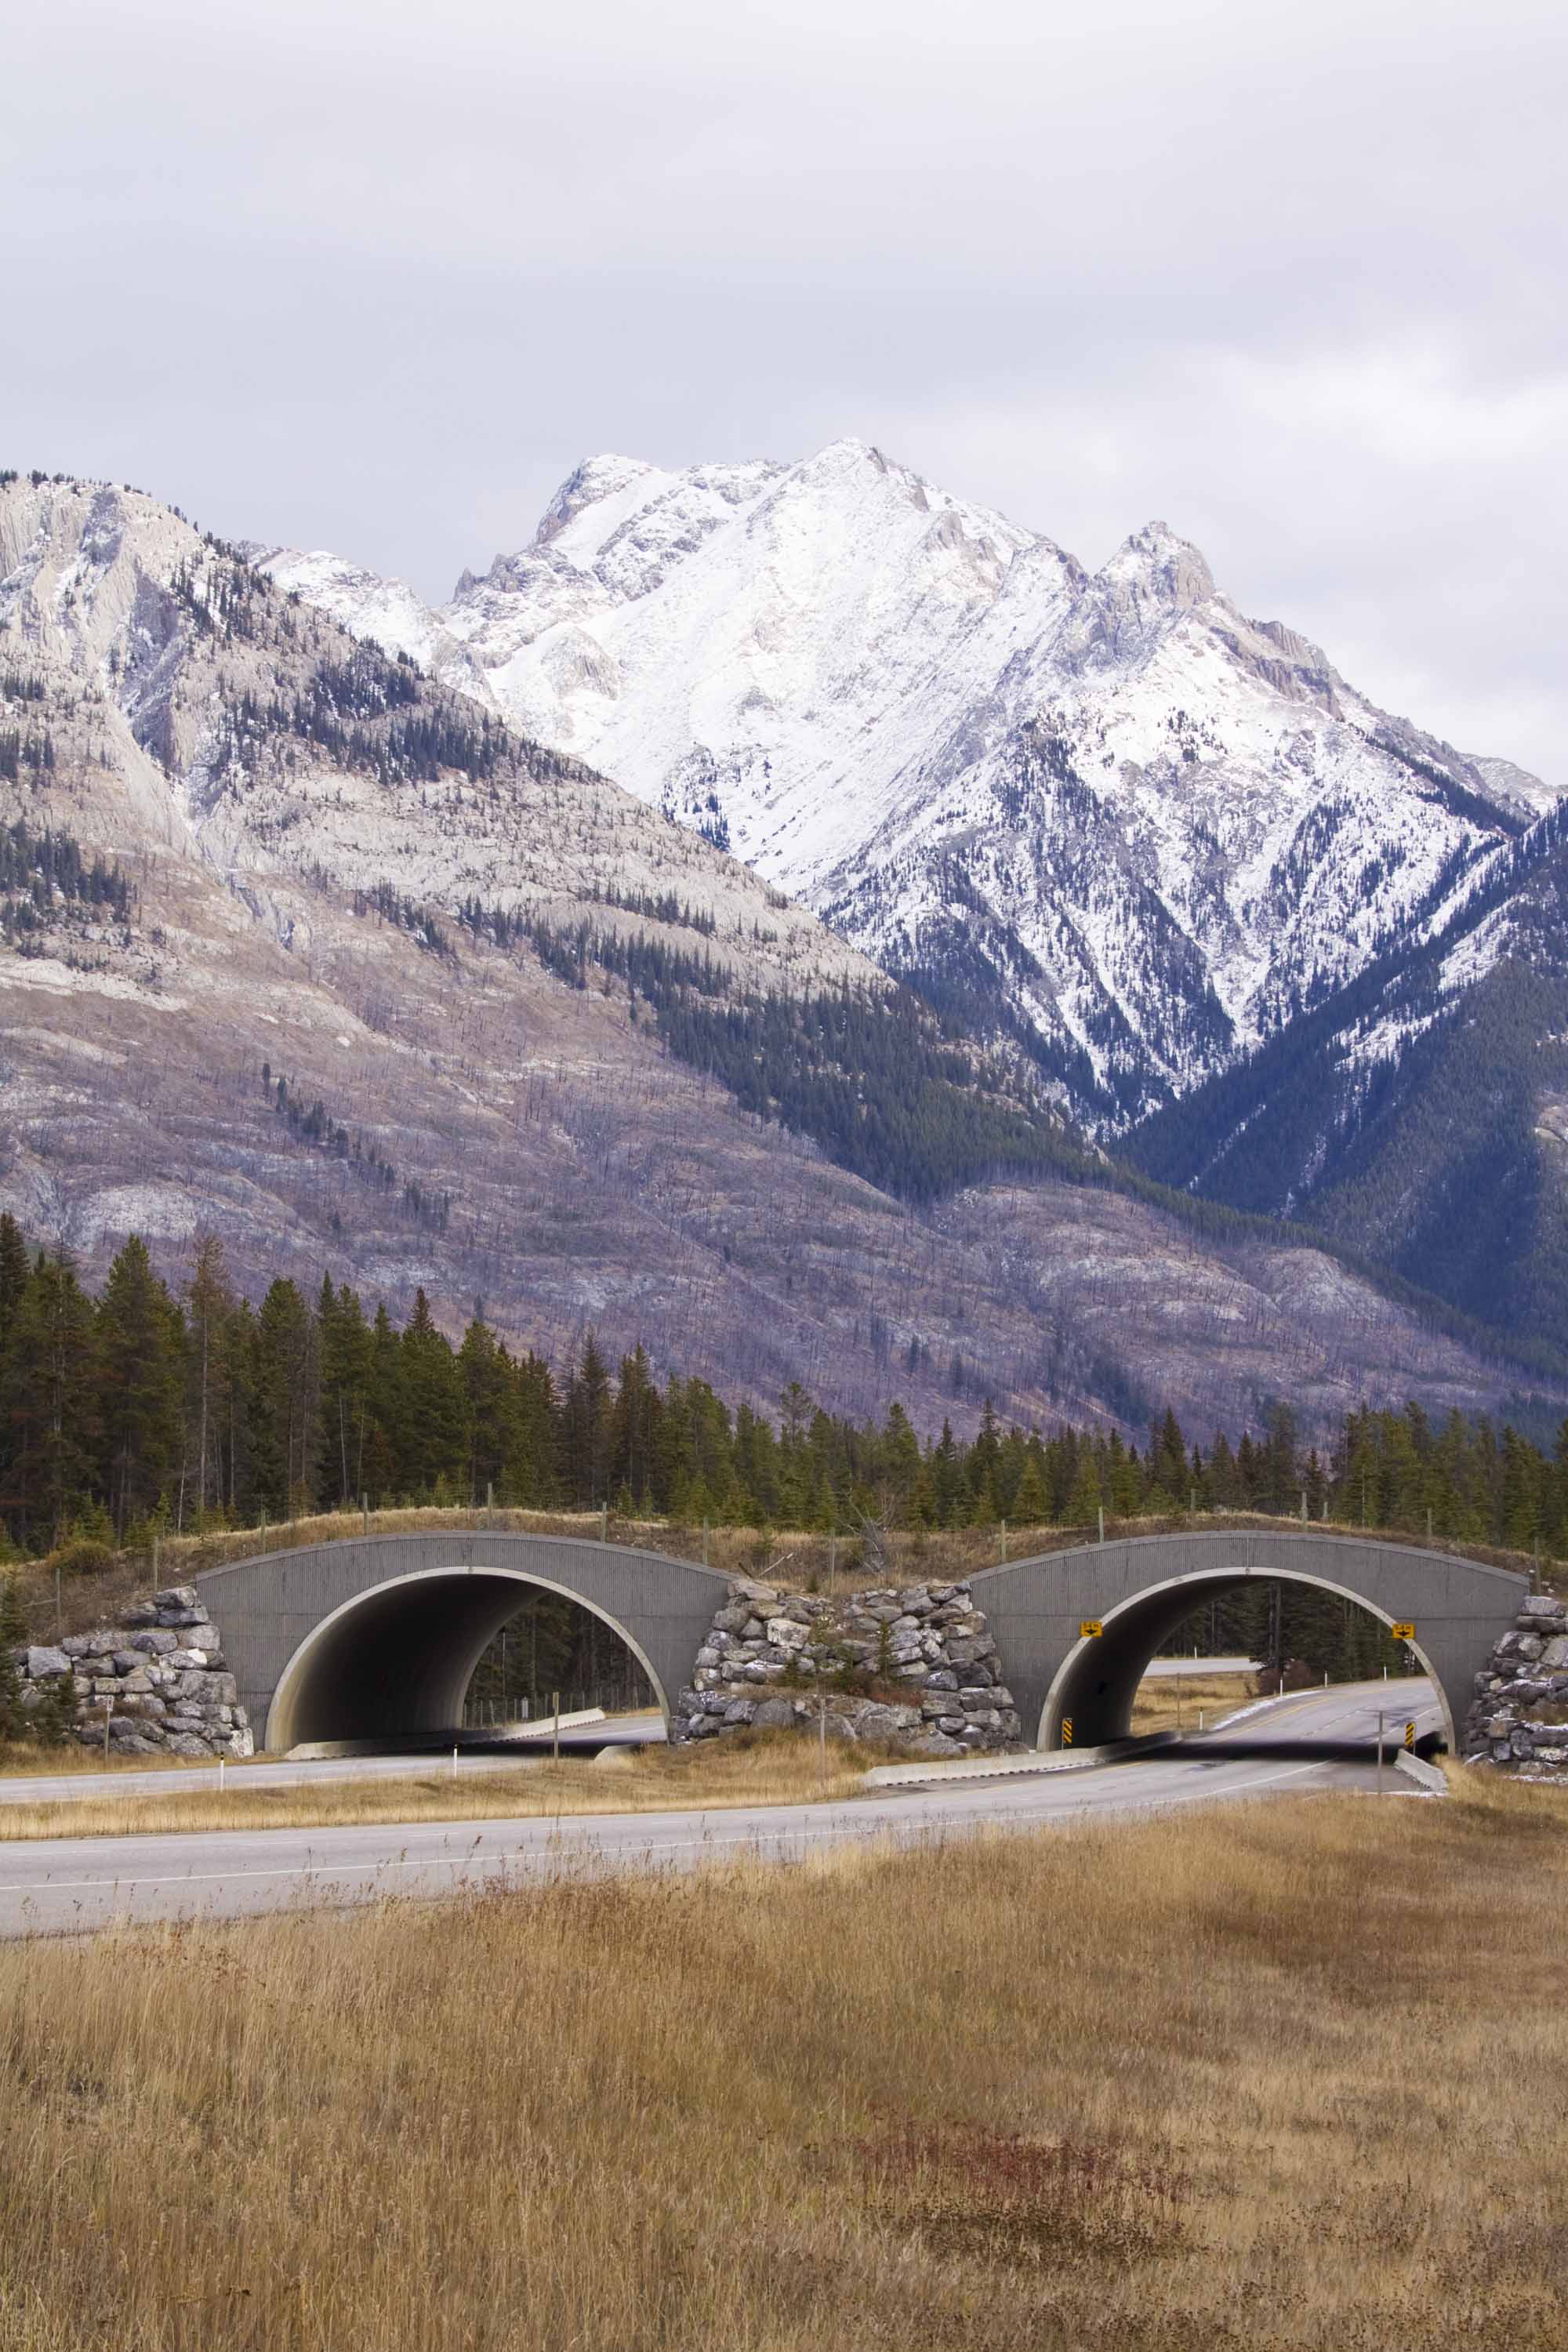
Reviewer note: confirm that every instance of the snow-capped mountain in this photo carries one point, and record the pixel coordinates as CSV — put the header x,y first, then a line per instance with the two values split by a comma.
x,y
1420,1113
1104,814
298,945
386,612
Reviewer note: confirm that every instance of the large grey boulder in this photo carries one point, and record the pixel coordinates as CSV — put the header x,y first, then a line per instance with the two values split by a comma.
x,y
44,1663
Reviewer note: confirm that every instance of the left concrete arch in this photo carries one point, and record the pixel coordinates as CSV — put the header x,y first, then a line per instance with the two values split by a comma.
x,y
378,1637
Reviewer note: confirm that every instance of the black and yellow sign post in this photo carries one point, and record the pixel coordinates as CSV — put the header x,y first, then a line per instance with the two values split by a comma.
x,y
1089,1628
1409,1736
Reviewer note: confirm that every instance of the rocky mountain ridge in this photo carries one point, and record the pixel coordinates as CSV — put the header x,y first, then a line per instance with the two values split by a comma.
x,y
1103,815
298,944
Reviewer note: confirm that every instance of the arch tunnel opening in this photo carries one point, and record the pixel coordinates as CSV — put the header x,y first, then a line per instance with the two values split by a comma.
x,y
1318,1628
401,1665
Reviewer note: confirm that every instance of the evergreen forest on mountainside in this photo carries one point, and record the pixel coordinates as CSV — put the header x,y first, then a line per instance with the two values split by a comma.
x,y
896,1091
148,1408
1441,1159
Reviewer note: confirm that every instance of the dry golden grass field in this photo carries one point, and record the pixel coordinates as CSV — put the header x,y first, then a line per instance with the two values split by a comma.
x,y
1282,2075
758,1768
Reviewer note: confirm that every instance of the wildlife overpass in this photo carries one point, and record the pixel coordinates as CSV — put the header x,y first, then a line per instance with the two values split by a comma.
x,y
377,1637
1076,1629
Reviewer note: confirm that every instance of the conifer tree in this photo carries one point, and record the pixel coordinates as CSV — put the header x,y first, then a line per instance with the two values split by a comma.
x,y
435,1411
285,1372
140,1374
344,1347
48,1401
210,1309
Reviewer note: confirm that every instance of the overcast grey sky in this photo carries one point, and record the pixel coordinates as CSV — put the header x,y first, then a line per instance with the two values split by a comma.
x,y
373,277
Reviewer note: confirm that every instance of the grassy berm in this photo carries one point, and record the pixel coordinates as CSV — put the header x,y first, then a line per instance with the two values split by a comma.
x,y
1280,2075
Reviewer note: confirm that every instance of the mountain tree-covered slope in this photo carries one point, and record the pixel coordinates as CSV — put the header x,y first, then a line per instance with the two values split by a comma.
x,y
1422,1113
302,945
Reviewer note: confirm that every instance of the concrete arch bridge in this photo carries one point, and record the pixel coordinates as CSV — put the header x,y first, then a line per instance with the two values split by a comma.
x,y
378,1637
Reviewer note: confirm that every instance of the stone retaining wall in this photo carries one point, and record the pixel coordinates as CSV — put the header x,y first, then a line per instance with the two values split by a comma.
x,y
1519,1717
157,1680
917,1667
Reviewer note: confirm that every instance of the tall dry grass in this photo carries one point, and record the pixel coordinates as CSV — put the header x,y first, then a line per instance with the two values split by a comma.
x,y
1273,2077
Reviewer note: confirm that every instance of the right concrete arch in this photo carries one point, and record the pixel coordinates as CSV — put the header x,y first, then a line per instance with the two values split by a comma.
x,y
1139,1590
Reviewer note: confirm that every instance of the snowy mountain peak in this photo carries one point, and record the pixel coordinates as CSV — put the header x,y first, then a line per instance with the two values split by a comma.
x,y
1158,564
605,481
1111,815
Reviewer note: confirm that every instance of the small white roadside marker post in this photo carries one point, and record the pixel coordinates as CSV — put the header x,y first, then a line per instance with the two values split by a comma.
x,y
107,1712
453,1763
1380,1751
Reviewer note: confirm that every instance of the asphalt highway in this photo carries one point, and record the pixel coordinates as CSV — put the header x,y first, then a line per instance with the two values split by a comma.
x,y
268,1772
68,1886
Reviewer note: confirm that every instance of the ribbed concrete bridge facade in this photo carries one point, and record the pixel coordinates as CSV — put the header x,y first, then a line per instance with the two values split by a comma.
x,y
378,1637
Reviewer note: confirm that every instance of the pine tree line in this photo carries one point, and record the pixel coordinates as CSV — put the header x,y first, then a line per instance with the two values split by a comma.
x,y
187,1406
40,870
19,751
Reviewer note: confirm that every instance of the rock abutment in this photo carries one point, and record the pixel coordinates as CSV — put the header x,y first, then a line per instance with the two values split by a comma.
x,y
1518,1718
156,1684
917,1666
